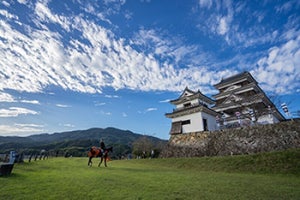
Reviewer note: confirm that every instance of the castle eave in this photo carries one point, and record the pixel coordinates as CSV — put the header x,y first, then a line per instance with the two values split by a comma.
x,y
249,87
191,110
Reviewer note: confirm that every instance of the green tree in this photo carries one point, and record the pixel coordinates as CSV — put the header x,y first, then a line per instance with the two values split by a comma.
x,y
142,147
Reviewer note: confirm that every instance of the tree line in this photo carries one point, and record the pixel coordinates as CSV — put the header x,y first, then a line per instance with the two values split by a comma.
x,y
139,148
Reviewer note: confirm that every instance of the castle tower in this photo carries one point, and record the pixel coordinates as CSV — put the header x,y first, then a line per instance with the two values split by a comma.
x,y
241,102
192,113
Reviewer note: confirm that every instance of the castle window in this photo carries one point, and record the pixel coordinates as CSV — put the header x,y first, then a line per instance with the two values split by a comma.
x,y
205,127
186,122
176,128
187,105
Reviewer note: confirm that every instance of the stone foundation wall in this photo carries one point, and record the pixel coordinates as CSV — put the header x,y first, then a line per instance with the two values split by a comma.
x,y
260,138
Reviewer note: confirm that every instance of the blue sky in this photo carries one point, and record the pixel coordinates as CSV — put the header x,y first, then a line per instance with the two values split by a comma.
x,y
78,64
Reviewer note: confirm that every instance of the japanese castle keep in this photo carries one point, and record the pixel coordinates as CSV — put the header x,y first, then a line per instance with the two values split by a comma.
x,y
240,102
192,113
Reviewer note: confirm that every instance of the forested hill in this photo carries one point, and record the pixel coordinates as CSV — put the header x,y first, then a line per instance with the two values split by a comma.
x,y
79,140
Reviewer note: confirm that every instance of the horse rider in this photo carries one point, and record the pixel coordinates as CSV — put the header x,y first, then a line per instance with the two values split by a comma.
x,y
102,146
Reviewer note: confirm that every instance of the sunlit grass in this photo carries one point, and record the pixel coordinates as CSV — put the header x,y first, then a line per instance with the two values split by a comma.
x,y
187,178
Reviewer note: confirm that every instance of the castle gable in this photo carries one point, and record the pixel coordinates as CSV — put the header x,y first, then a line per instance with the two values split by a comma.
x,y
233,98
190,96
233,87
187,92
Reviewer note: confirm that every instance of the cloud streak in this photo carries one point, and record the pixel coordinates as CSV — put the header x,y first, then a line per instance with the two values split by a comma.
x,y
62,105
21,129
16,111
5,97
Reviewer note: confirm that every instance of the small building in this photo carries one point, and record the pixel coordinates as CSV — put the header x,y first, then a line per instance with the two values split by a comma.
x,y
193,113
242,102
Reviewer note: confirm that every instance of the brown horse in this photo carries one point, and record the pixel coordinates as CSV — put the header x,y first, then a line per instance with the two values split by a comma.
x,y
96,152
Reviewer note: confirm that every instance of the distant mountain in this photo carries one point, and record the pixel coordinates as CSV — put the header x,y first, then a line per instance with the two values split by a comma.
x,y
76,142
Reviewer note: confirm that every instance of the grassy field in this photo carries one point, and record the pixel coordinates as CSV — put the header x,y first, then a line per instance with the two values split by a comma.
x,y
262,176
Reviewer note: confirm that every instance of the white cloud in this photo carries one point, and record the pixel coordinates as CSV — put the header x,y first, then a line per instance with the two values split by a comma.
x,y
6,14
216,22
5,3
205,3
146,110
5,97
105,61
287,6
240,25
165,101
279,71
45,15
150,109
63,105
163,45
95,57
111,96
223,26
30,101
16,111
29,125
105,113
22,1
100,103
69,125
21,129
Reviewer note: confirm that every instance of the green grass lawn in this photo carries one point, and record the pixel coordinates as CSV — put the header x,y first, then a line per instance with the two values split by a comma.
x,y
261,176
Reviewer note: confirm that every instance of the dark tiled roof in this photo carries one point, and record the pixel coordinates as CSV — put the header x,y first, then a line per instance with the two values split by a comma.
x,y
235,77
194,94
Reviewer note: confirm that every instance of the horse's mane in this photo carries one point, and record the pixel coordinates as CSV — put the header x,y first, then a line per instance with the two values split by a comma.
x,y
110,149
